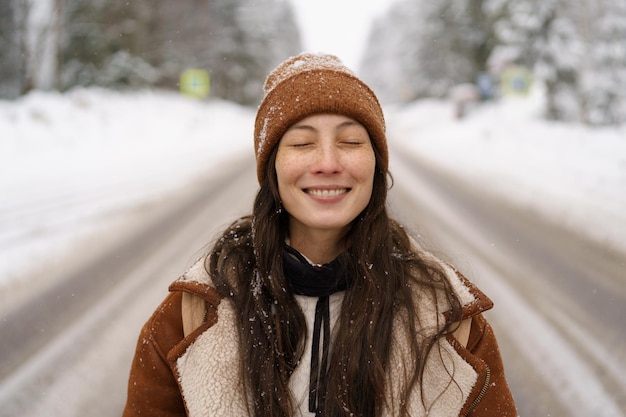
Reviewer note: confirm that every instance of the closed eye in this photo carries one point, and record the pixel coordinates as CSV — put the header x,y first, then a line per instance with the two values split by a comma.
x,y
355,142
301,144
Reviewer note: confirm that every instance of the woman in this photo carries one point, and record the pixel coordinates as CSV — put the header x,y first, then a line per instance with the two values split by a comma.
x,y
319,304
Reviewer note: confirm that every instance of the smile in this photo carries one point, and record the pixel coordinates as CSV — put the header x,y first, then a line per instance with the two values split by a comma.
x,y
326,193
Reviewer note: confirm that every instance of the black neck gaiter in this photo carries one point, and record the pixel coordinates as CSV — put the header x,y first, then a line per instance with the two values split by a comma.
x,y
315,281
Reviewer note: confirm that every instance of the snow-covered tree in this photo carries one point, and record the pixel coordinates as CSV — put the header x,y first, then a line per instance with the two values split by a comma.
x,y
151,42
103,43
387,62
29,34
578,50
12,48
434,45
602,81
271,35
248,39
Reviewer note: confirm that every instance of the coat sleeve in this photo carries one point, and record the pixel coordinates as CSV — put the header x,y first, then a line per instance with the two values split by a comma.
x,y
152,387
496,400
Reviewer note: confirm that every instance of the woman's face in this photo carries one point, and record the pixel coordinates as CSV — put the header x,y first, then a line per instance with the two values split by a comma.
x,y
325,167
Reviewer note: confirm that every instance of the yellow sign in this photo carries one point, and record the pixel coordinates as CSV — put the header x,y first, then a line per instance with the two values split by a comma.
x,y
516,81
195,83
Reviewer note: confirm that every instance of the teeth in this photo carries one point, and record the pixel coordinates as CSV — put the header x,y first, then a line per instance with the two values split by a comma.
x,y
327,193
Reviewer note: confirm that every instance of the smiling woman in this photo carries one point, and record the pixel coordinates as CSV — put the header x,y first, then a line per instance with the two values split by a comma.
x,y
318,303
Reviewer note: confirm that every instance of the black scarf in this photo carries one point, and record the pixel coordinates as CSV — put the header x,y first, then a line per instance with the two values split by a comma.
x,y
315,281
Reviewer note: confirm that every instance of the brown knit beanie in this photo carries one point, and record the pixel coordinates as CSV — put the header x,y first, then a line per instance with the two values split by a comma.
x,y
308,84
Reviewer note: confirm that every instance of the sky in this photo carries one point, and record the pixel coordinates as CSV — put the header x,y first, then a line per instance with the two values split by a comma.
x,y
339,27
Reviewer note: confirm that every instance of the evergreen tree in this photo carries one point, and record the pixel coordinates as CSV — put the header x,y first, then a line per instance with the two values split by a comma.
x,y
101,44
435,45
577,50
387,64
151,42
12,66
20,48
251,37
536,35
602,85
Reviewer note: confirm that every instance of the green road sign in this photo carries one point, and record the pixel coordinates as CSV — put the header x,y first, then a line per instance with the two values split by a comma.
x,y
195,83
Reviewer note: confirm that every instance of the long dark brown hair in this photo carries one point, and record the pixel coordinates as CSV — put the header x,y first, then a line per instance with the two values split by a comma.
x,y
246,265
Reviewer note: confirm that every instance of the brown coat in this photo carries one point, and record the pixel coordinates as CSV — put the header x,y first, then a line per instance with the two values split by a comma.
x,y
199,375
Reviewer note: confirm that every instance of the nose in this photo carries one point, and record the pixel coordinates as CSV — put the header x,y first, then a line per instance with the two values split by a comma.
x,y
328,160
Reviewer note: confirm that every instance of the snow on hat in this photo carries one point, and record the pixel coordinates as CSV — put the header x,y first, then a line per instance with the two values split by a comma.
x,y
309,84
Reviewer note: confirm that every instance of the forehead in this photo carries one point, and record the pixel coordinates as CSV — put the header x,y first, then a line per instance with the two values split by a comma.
x,y
324,120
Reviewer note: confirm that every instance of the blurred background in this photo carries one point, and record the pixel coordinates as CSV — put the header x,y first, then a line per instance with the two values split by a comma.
x,y
126,144
413,50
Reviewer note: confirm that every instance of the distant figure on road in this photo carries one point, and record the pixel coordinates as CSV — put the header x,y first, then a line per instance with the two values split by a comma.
x,y
318,303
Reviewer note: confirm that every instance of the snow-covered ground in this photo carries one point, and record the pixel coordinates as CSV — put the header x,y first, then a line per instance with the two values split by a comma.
x,y
71,163
572,174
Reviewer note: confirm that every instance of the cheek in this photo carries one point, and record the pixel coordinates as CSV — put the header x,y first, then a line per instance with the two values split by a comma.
x,y
365,167
290,163
286,170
